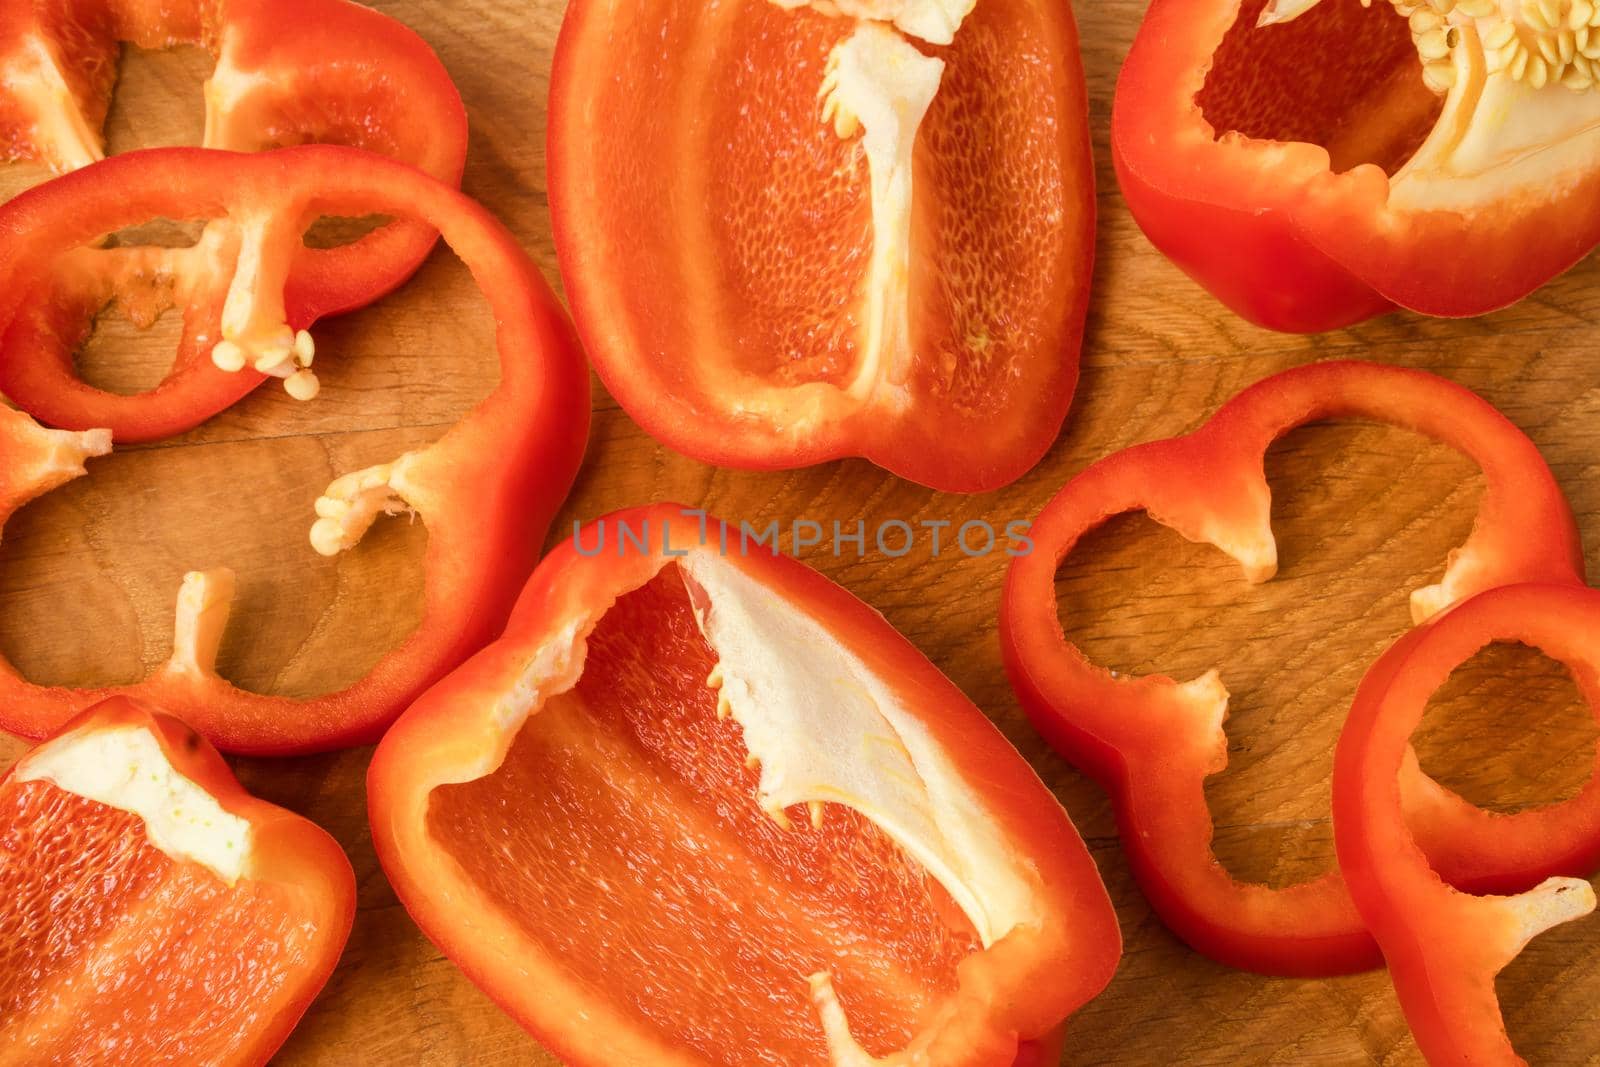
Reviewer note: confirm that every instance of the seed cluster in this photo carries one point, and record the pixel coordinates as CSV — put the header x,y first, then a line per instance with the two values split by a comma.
x,y
1534,41
285,354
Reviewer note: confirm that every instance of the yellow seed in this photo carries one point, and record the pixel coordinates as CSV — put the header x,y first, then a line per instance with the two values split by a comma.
x,y
1577,78
1590,49
1538,72
1478,9
328,507
327,537
1551,10
273,359
302,385
1432,45
1440,77
1579,15
305,349
228,356
1499,36
1566,46
847,126
1519,64
1424,19
1548,50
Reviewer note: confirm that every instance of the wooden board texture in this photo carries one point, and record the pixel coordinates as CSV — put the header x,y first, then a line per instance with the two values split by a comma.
x,y
88,575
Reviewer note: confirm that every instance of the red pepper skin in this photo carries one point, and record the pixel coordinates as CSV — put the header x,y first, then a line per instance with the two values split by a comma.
x,y
1151,742
1442,945
1045,1052
679,331
1025,984
487,489
328,71
1274,234
293,865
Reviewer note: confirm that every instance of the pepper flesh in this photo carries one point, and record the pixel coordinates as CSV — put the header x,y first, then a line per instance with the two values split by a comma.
x,y
486,490
1339,160
343,74
789,238
1443,946
1151,741
150,909
858,865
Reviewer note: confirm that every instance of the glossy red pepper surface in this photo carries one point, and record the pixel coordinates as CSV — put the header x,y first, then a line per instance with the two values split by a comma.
x,y
1308,176
487,489
730,245
706,808
1444,946
287,72
1151,741
152,911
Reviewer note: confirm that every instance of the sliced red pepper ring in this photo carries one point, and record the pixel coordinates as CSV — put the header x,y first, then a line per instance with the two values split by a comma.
x,y
707,808
151,910
789,238
1315,163
1444,946
486,490
287,72
1151,742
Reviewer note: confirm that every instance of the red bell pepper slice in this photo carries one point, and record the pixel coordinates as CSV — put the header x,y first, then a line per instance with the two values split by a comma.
x,y
486,490
788,238
151,910
1151,742
698,807
1444,946
287,72
1312,173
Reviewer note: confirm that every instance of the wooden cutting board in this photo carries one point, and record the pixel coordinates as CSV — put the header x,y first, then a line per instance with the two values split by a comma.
x,y
88,575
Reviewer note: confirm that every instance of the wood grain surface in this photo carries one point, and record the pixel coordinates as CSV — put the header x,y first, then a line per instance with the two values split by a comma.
x,y
88,576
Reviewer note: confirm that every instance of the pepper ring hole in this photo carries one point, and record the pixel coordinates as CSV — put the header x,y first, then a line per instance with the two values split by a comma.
x,y
1509,730
1362,514
332,231
159,99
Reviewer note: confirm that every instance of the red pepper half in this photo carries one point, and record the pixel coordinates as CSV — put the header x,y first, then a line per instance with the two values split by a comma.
x,y
701,807
1313,170
1444,946
487,489
152,911
287,72
789,238
1151,742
